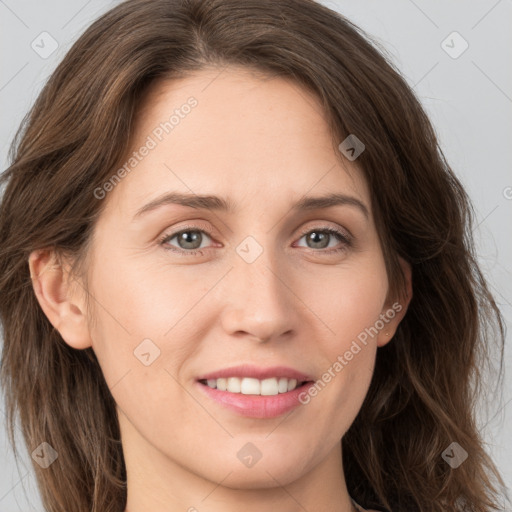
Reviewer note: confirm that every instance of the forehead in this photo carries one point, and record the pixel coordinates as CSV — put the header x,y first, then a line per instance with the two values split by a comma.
x,y
237,134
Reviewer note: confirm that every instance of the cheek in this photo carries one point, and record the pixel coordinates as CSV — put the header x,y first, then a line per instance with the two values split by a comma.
x,y
349,304
141,344
147,295
348,301
137,315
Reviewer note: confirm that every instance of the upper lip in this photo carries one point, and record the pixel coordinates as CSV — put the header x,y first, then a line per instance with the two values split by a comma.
x,y
247,370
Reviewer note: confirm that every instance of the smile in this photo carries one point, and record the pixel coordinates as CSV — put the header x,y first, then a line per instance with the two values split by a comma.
x,y
255,392
251,386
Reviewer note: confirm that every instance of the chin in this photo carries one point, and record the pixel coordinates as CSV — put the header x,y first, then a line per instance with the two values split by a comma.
x,y
277,469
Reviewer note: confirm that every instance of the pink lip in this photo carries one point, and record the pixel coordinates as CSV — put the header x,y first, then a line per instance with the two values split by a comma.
x,y
257,406
247,370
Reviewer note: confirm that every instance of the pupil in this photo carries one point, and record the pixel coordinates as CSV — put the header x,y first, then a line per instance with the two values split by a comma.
x,y
321,236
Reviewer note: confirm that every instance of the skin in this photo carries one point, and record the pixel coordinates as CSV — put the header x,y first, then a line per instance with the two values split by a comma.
x,y
263,144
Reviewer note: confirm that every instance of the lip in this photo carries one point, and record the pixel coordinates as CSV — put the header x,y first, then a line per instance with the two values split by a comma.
x,y
256,406
255,372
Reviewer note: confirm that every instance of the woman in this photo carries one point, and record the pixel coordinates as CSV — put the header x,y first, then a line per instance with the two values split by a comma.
x,y
237,272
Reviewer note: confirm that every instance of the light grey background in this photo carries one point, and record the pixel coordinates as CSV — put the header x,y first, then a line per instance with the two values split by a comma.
x,y
469,99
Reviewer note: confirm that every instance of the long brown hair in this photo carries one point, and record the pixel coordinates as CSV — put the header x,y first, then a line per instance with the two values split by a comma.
x,y
427,380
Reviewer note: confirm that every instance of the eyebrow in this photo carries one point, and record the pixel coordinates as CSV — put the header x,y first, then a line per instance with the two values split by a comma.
x,y
216,203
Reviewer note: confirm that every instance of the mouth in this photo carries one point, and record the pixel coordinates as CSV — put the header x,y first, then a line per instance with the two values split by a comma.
x,y
256,392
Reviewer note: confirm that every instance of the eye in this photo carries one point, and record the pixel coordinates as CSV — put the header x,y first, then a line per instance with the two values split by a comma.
x,y
188,240
319,238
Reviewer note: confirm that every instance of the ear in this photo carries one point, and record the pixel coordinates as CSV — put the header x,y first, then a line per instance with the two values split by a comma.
x,y
394,311
60,302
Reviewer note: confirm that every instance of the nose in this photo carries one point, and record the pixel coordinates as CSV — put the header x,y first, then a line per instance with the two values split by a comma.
x,y
258,300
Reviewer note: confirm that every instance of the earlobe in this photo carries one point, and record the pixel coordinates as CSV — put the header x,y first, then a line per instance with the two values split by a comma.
x,y
63,308
396,312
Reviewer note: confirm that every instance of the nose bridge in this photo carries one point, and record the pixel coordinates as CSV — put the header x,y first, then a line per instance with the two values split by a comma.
x,y
258,301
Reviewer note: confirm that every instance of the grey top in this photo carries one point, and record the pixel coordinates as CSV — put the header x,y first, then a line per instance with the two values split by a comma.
x,y
358,507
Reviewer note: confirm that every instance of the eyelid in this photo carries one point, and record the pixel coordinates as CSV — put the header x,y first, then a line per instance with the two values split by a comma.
x,y
326,227
188,227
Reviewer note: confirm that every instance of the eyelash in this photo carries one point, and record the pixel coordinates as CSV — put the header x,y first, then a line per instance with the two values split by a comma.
x,y
342,237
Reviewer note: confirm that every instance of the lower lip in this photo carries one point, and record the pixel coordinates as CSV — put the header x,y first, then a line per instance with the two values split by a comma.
x,y
257,406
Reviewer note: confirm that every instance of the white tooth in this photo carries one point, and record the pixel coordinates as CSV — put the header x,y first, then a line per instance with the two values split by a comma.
x,y
282,386
269,386
249,386
233,385
292,384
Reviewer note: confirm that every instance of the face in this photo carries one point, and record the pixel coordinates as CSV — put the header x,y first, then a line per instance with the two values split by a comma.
x,y
262,279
